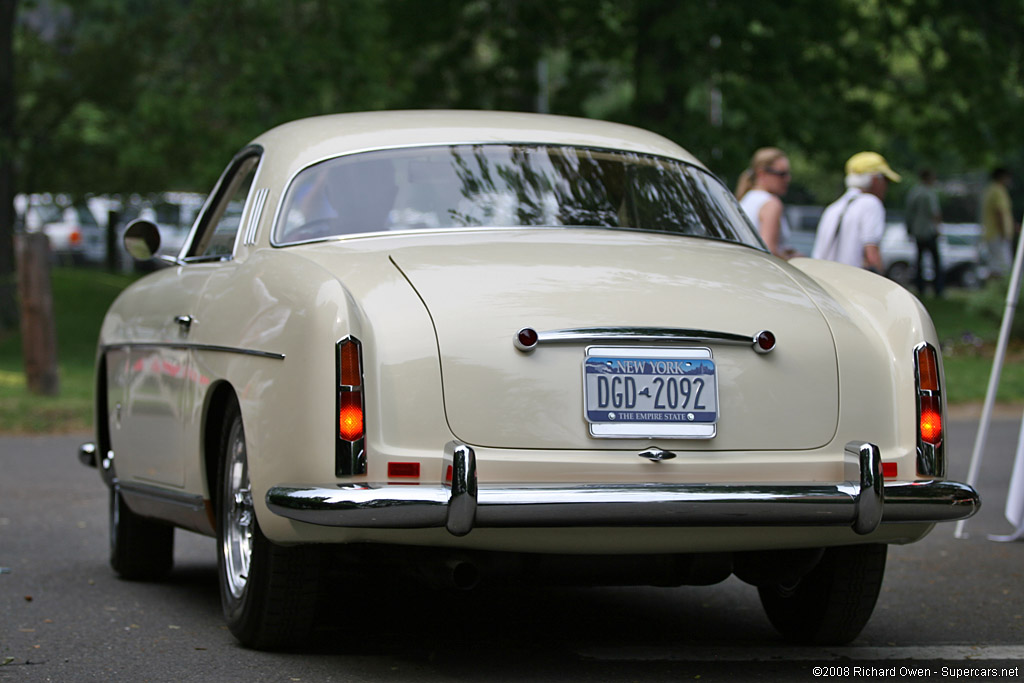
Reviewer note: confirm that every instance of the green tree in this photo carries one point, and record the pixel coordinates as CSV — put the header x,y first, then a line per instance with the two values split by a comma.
x,y
134,95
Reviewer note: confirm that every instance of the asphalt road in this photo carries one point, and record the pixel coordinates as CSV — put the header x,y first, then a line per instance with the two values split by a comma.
x,y
950,608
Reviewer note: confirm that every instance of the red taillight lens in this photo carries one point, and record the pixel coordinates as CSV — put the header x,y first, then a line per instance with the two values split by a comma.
x,y
75,237
931,420
350,415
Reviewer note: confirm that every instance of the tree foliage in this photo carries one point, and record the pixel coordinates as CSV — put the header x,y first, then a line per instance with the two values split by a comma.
x,y
137,95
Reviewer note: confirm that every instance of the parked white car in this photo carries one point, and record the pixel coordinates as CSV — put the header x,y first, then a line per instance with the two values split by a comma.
x,y
959,250
74,233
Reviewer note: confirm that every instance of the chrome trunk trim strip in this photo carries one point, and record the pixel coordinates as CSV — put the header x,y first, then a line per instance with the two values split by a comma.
x,y
632,335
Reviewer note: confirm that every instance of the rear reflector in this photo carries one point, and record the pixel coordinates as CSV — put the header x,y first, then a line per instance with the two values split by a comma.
x,y
890,470
403,469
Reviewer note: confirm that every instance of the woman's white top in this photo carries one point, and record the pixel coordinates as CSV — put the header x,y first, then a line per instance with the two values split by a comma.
x,y
752,202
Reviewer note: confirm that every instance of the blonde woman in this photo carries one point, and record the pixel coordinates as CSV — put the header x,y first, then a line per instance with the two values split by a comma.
x,y
759,190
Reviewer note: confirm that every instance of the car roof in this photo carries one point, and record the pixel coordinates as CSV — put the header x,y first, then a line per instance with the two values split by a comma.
x,y
315,139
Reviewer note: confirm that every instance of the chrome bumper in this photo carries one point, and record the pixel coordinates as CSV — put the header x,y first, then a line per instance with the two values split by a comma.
x,y
861,503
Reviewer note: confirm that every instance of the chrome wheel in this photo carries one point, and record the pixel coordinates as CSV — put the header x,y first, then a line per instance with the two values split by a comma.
x,y
269,593
238,523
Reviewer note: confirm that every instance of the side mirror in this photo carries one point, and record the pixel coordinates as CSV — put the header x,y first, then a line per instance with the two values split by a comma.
x,y
142,239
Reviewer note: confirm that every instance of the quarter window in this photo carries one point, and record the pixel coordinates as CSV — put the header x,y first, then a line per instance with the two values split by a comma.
x,y
219,228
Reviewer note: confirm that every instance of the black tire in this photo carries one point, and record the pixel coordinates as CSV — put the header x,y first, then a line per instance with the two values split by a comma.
x,y
268,592
832,604
141,549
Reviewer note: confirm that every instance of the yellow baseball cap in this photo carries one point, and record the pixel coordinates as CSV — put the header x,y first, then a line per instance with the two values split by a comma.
x,y
871,162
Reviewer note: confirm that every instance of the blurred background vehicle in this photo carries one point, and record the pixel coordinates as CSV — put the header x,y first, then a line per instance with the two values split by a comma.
x,y
959,249
77,228
75,232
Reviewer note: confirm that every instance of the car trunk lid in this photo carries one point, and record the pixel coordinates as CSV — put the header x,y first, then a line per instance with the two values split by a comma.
x,y
480,293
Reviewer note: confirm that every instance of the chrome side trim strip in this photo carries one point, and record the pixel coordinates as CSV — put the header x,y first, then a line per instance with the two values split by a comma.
x,y
862,505
646,335
185,510
194,347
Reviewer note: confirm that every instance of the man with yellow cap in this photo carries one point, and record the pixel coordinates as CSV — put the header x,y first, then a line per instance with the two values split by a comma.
x,y
851,227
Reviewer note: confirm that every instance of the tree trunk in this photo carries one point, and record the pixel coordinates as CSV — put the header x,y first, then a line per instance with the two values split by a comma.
x,y
8,300
38,327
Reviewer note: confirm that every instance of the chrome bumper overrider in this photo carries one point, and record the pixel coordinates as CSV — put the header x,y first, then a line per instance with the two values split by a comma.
x,y
862,503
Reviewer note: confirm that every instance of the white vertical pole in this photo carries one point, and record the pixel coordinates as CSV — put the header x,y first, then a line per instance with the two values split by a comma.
x,y
1015,496
1012,295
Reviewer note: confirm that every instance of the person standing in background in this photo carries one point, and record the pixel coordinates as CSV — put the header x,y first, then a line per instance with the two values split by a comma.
x,y
923,218
997,219
760,190
851,227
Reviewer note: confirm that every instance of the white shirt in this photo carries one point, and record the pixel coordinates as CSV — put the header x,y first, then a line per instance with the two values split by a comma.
x,y
863,223
752,203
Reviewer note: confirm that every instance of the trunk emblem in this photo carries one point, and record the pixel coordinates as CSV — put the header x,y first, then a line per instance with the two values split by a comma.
x,y
656,454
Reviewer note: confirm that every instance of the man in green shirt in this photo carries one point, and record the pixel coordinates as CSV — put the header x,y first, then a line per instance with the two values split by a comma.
x,y
923,219
997,218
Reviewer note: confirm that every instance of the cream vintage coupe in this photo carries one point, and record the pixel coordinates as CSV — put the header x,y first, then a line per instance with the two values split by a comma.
x,y
513,345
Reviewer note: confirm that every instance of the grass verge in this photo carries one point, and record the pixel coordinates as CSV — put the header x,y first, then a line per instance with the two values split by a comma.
x,y
968,324
80,298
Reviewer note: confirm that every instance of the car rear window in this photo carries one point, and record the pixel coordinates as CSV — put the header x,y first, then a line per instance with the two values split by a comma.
x,y
507,186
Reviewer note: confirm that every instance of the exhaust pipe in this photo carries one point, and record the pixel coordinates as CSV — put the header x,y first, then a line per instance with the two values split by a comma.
x,y
446,573
463,575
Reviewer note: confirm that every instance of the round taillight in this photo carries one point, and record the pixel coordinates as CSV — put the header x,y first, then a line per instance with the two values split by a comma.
x,y
526,339
764,341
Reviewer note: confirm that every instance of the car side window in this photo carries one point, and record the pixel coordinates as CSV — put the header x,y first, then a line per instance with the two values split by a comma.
x,y
218,229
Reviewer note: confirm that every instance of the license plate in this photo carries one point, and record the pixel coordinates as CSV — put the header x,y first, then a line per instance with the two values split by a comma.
x,y
650,392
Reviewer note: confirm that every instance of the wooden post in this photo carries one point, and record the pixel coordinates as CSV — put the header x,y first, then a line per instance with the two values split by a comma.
x,y
113,257
38,328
